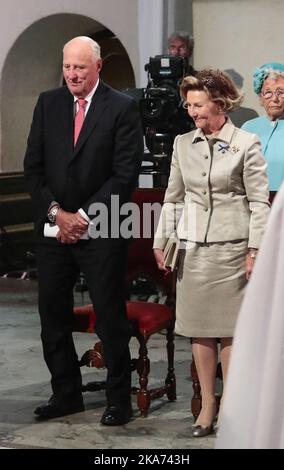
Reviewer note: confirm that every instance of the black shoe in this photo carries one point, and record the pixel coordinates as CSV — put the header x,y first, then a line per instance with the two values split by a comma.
x,y
116,415
52,409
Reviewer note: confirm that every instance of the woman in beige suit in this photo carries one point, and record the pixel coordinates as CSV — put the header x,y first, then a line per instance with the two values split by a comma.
x,y
217,204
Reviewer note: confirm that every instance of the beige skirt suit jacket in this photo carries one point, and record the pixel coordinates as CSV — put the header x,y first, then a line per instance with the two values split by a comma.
x,y
217,204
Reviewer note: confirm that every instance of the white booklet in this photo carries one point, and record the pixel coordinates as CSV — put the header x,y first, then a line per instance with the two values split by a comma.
x,y
51,230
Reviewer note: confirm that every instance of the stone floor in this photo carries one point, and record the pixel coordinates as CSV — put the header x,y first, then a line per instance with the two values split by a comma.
x,y
25,384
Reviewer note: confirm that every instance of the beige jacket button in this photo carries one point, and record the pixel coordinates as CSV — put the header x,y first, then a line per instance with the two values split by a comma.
x,y
205,209
203,173
204,191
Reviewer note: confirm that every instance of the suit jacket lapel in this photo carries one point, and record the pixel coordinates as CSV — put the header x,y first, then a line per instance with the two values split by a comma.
x,y
98,104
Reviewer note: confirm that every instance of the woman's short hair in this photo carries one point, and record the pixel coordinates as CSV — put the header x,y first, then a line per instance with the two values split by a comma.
x,y
218,85
269,70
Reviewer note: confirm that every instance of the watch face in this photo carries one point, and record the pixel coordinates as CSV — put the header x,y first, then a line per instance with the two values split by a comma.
x,y
52,214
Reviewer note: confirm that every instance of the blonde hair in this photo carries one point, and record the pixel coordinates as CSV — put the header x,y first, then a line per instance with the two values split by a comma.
x,y
218,85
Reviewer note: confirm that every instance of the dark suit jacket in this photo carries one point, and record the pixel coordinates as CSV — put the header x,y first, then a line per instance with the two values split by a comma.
x,y
104,162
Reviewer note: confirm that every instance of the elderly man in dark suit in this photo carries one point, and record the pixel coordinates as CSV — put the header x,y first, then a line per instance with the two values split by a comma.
x,y
84,148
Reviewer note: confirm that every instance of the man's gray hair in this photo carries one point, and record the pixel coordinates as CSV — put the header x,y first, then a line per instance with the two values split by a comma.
x,y
184,36
94,45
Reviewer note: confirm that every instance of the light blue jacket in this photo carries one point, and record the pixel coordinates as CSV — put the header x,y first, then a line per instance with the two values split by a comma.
x,y
271,134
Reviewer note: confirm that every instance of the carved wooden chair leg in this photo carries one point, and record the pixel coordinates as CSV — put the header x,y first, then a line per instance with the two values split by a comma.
x,y
94,386
196,401
171,378
219,376
94,358
143,369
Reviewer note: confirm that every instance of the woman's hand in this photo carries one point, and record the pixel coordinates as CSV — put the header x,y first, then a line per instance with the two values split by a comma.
x,y
250,260
159,255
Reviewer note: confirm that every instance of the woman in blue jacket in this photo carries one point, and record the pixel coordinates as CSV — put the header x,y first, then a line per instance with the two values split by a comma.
x,y
268,83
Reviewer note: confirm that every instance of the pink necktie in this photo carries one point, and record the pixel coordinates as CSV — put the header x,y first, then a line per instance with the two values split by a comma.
x,y
79,118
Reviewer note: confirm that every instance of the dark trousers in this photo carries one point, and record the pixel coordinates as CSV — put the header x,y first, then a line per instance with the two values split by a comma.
x,y
104,268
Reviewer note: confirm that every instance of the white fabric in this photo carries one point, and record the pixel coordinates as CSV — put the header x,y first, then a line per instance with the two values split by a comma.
x,y
84,215
253,411
150,23
51,230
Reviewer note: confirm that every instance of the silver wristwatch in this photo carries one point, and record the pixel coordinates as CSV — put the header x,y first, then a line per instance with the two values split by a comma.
x,y
51,215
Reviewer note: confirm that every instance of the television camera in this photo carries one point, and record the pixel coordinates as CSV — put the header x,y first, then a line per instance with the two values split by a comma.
x,y
162,113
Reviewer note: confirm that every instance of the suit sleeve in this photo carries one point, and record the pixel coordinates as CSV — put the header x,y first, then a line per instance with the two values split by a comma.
x,y
126,160
256,185
34,164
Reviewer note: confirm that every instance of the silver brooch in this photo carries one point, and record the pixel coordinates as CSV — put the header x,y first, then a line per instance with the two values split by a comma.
x,y
235,149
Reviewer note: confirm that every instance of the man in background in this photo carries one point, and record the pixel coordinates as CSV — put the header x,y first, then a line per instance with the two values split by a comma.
x,y
181,44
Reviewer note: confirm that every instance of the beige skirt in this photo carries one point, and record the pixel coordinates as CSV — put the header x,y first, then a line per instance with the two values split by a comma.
x,y
210,287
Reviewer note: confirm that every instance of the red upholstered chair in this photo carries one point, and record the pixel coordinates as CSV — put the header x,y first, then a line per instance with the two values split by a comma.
x,y
147,318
